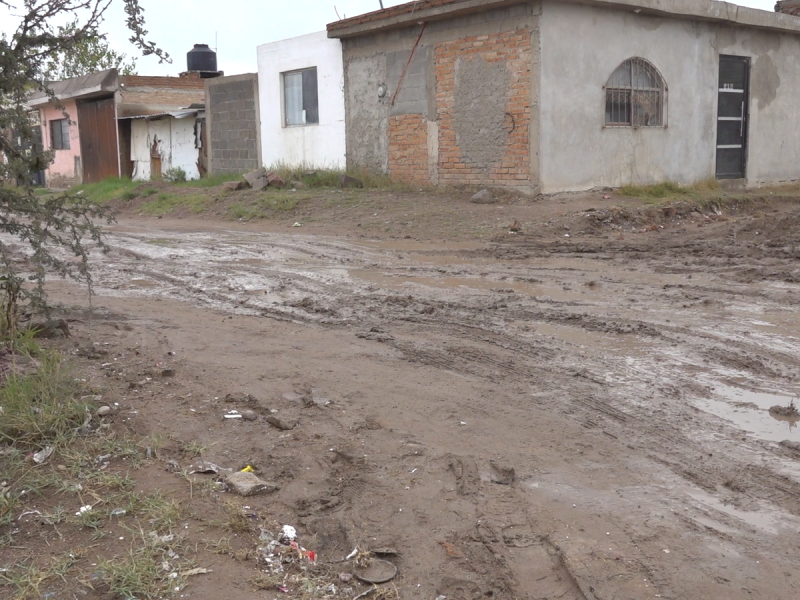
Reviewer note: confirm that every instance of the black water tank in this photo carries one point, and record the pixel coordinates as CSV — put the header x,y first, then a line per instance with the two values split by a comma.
x,y
201,58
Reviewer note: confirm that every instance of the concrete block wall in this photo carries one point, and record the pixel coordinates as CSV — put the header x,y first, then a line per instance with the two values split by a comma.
x,y
234,124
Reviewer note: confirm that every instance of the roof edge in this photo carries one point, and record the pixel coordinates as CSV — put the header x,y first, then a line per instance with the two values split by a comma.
x,y
408,14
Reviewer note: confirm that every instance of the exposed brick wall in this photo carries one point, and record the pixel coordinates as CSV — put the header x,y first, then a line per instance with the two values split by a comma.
x,y
512,165
143,81
233,124
408,149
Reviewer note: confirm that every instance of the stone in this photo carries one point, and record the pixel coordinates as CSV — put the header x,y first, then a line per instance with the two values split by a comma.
x,y
235,186
103,411
298,185
501,474
51,329
240,398
168,373
281,424
273,180
350,182
257,179
249,415
483,197
249,484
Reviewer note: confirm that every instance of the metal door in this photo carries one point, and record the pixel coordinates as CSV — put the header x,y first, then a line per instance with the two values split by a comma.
x,y
98,131
732,117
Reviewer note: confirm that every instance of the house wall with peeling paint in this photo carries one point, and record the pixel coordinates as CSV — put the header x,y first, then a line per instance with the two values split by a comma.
x,y
171,139
66,169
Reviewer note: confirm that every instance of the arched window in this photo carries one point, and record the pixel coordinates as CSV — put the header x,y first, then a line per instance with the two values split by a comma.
x,y
636,96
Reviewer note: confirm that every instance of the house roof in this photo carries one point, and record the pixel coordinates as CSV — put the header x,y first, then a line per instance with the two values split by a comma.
x,y
411,13
142,96
138,95
177,114
78,87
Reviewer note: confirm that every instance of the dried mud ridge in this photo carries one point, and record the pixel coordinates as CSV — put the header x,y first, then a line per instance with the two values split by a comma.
x,y
626,335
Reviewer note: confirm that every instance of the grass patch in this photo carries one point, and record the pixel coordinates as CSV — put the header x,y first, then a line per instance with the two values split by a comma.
x,y
147,192
212,180
42,407
282,201
165,203
106,190
155,566
666,189
26,580
316,177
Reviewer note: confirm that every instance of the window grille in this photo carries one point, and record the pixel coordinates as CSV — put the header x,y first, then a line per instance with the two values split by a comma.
x,y
636,96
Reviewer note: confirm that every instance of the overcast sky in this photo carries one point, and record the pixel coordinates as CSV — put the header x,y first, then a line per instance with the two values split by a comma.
x,y
239,26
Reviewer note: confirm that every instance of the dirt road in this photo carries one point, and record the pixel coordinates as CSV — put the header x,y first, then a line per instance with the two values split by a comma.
x,y
578,411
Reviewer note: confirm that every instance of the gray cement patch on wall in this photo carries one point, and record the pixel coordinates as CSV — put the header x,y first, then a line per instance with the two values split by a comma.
x,y
766,81
479,110
367,113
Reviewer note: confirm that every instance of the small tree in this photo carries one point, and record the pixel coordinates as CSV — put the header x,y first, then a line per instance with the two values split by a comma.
x,y
54,235
88,56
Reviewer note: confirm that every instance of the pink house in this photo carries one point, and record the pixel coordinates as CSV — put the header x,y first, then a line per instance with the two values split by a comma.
x,y
61,134
91,134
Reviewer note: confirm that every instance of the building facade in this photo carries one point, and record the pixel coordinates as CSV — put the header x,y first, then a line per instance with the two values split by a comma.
x,y
301,97
563,95
92,133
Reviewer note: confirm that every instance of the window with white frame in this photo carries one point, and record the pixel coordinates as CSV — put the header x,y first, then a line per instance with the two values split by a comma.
x,y
300,98
636,96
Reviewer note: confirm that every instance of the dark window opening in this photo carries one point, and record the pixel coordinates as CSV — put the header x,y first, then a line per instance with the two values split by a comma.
x,y
636,96
300,98
59,134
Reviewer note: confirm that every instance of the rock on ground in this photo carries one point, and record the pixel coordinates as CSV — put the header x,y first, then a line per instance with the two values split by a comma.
x,y
483,197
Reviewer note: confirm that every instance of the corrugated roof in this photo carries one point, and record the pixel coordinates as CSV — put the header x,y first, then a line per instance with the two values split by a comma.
x,y
178,114
94,83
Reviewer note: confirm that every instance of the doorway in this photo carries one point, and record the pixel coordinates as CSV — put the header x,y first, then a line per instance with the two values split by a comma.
x,y
732,117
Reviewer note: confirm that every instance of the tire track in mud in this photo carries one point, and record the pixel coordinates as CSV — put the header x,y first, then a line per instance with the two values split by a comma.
x,y
481,343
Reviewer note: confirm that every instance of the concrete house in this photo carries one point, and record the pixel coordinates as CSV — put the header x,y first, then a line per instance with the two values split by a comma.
x,y
560,95
109,129
301,95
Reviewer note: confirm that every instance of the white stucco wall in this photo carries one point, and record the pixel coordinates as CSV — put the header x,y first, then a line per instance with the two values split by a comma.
x,y
321,145
582,46
176,146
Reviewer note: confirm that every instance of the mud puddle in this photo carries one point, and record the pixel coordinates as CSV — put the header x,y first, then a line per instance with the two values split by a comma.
x,y
749,411
398,280
766,520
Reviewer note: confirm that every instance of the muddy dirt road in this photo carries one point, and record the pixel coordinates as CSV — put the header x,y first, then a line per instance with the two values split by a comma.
x,y
541,416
